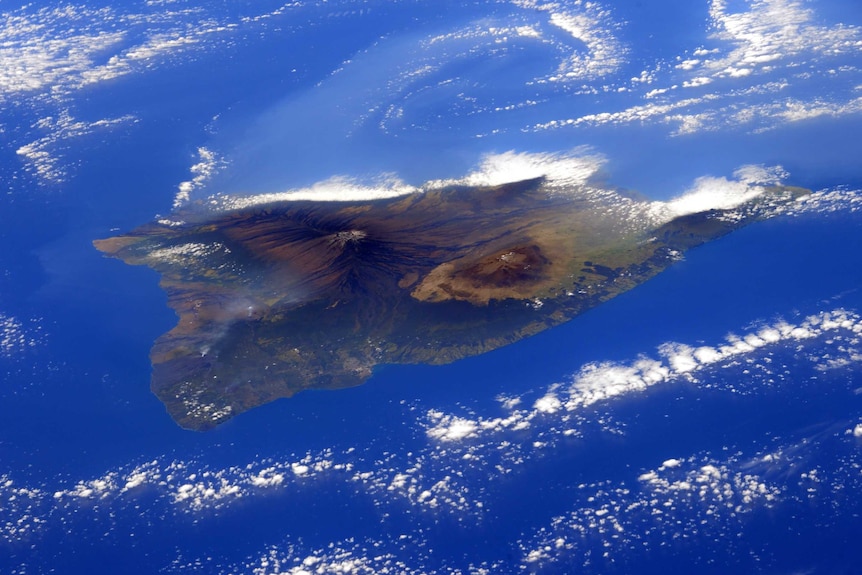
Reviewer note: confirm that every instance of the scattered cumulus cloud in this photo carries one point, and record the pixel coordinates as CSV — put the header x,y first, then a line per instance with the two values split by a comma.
x,y
701,496
209,163
447,474
52,49
52,55
771,33
766,66
54,52
593,25
597,383
16,336
187,253
756,69
290,559
44,156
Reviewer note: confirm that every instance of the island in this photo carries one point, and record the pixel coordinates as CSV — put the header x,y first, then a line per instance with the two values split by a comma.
x,y
277,298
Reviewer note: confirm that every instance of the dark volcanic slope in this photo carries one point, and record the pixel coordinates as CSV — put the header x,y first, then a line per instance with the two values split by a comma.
x,y
298,295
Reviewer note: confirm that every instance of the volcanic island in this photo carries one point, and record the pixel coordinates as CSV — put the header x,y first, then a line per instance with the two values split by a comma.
x,y
280,297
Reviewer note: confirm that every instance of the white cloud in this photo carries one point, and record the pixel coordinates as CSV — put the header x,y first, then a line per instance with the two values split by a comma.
x,y
699,498
549,403
584,37
689,64
642,113
693,115
209,163
335,189
710,193
451,428
656,92
572,168
600,54
59,50
603,381
51,47
598,382
16,336
51,54
569,173
21,511
781,40
605,53
697,82
827,201
337,558
566,170
186,254
45,156
773,31
797,110
758,174
446,477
